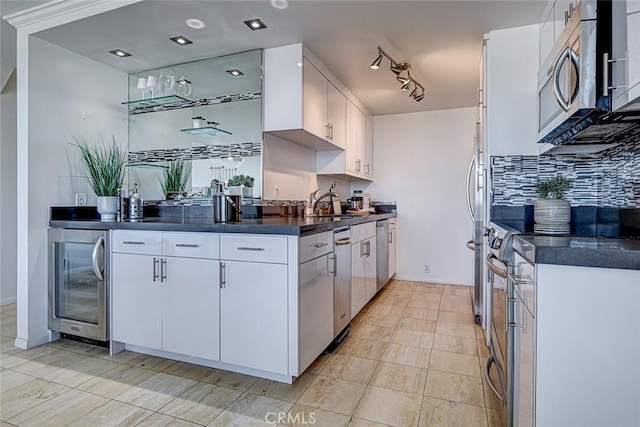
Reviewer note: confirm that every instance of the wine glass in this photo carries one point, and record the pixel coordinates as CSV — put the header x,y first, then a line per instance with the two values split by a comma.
x,y
152,85
166,83
142,86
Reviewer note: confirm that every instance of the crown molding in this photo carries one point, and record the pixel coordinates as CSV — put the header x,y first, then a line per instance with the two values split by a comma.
x,y
59,12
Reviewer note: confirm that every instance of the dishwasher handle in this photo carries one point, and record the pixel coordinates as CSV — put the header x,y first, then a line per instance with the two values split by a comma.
x,y
345,241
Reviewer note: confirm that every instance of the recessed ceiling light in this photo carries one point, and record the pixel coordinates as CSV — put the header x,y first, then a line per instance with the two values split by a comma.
x,y
255,24
181,40
195,23
279,4
119,52
235,73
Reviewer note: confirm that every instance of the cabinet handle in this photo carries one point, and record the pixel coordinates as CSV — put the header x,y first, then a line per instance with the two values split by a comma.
x,y
246,248
331,262
358,165
320,245
130,242
163,270
331,131
367,166
186,245
155,269
566,17
368,248
328,131
223,275
361,249
391,237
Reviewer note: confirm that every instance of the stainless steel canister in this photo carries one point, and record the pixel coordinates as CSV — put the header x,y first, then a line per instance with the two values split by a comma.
x,y
135,206
227,208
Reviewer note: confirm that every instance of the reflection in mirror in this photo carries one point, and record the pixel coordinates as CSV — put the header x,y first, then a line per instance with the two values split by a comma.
x,y
199,112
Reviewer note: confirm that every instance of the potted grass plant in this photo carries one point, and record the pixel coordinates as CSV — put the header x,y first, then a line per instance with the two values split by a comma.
x,y
243,185
176,177
104,165
552,214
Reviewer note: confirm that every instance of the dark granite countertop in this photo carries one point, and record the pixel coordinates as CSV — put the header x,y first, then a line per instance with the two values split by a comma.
x,y
579,251
293,226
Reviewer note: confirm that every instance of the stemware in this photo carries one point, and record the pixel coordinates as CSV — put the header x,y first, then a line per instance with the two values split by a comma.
x,y
152,85
166,83
142,86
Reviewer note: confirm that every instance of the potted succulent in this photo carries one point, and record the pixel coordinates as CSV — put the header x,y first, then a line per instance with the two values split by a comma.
x,y
104,166
551,213
243,184
176,176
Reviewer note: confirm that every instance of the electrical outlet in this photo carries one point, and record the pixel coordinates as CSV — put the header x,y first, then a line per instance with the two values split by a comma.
x,y
427,268
276,192
81,199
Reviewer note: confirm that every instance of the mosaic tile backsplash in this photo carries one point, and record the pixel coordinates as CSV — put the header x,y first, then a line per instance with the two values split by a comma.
x,y
247,149
608,179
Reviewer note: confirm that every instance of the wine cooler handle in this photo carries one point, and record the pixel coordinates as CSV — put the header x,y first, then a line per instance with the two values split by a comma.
x,y
94,258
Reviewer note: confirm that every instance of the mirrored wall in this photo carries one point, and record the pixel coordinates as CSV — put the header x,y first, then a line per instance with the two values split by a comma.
x,y
206,114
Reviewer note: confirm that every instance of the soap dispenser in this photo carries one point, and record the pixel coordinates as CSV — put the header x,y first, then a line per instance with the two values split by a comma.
x,y
135,205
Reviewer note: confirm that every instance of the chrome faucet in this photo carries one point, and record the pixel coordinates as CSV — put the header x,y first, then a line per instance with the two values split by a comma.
x,y
315,200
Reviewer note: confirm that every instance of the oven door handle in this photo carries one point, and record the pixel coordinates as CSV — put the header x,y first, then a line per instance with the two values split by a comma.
x,y
500,272
94,258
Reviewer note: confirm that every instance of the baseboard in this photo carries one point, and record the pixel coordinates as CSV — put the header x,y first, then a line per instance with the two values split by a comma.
x,y
8,300
427,279
26,344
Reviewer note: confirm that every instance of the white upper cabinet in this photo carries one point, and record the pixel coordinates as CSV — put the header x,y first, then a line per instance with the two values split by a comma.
x,y
625,67
510,91
303,102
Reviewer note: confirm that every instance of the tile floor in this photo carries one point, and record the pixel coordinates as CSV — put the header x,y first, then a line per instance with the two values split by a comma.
x,y
413,358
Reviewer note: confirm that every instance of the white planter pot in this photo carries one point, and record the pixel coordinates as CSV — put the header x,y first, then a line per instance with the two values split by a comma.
x,y
247,191
107,207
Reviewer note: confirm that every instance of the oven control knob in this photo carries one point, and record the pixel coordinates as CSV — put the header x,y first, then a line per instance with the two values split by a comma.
x,y
498,243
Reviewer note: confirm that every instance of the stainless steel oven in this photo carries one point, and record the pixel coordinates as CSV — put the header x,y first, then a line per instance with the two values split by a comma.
x,y
78,277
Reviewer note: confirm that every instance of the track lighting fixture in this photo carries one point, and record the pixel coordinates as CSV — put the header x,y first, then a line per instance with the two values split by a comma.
x,y
398,68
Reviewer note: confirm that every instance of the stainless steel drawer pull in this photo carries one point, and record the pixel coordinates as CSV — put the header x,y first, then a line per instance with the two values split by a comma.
x,y
156,276
223,275
320,245
130,242
245,248
186,245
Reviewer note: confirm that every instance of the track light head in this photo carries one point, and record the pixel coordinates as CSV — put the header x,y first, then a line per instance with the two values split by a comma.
x,y
419,97
403,80
376,64
405,86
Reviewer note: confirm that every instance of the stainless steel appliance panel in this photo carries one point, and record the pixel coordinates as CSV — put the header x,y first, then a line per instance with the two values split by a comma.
x,y
382,253
77,282
342,283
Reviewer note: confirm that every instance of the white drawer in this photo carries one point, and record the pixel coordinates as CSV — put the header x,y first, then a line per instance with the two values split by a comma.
x,y
137,242
392,223
315,245
191,245
251,247
363,231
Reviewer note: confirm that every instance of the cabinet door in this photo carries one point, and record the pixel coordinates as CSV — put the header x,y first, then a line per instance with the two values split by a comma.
x,y
136,299
392,252
633,48
361,141
547,38
337,116
525,377
316,308
351,149
253,315
371,282
315,101
191,310
368,147
357,278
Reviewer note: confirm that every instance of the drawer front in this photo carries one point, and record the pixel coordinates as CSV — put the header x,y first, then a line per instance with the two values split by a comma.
x,y
191,245
392,223
250,247
137,242
363,231
315,245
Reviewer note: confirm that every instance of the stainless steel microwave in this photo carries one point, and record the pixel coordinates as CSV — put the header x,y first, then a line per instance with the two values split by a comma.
x,y
574,104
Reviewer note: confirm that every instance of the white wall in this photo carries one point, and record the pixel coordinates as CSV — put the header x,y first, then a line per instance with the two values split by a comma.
x,y
421,161
68,95
8,261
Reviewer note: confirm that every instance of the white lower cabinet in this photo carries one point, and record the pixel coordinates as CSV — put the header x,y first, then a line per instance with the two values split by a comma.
x,y
392,249
363,273
316,307
137,300
253,315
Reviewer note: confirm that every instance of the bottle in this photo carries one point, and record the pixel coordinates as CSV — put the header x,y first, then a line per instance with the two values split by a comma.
x,y
135,204
123,205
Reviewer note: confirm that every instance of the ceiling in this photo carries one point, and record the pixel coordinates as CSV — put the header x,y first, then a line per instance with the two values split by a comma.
x,y
440,39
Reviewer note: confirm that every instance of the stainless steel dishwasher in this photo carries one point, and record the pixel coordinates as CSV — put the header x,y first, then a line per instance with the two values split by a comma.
x,y
382,253
342,283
